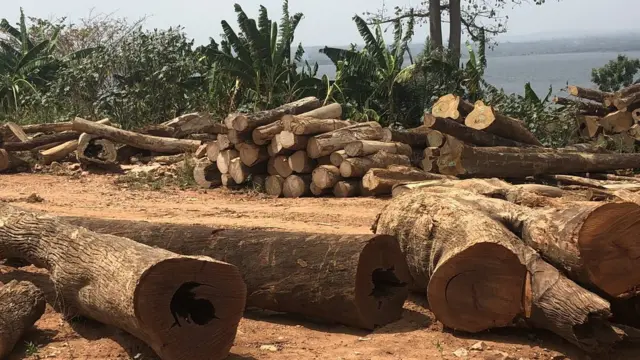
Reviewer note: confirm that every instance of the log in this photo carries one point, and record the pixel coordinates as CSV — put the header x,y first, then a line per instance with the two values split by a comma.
x,y
228,182
275,148
95,150
355,280
357,167
147,142
182,307
57,153
331,111
21,305
317,192
613,99
381,181
485,118
240,172
467,134
436,139
39,141
236,137
451,107
195,123
47,127
369,147
202,151
290,141
626,102
212,151
586,108
206,174
223,142
347,188
326,176
299,125
281,164
248,122
274,185
489,279
300,163
416,137
617,122
16,132
589,94
337,157
224,160
461,160
251,154
271,167
263,134
9,161
325,144
430,161
589,126
296,186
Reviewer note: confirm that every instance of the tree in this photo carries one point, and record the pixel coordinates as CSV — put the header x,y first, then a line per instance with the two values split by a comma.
x,y
616,74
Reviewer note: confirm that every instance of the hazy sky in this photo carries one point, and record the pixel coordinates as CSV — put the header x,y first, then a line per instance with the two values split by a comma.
x,y
328,22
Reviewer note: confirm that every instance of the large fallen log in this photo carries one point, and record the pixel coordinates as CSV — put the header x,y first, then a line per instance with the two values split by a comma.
x,y
296,186
325,144
370,147
460,160
21,305
479,275
39,141
95,150
183,307
585,108
147,142
356,280
357,167
485,118
331,111
452,107
248,122
300,125
206,174
468,134
381,181
47,127
416,137
195,123
263,134
589,94
10,161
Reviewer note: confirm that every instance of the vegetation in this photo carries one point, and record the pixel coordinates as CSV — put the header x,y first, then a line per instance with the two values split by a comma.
x,y
616,74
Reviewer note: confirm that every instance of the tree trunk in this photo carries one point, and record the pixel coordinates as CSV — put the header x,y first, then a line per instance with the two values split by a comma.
x,y
224,160
326,176
347,188
355,280
300,163
480,275
467,134
485,118
57,153
206,174
416,137
195,123
381,181
240,172
47,127
290,141
617,122
251,154
452,107
297,186
311,126
488,187
357,167
455,29
281,164
263,134
145,291
248,122
586,108
223,142
325,144
95,150
435,25
331,111
31,144
370,147
21,305
147,142
589,94
274,185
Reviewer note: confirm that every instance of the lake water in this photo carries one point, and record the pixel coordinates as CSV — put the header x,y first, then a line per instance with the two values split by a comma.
x,y
512,72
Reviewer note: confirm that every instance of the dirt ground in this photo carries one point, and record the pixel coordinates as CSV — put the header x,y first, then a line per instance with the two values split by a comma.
x,y
416,336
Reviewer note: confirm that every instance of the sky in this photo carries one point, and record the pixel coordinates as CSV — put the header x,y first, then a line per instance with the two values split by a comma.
x,y
328,22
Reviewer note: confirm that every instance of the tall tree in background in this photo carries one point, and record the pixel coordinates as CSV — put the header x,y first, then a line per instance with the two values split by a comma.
x,y
435,24
455,28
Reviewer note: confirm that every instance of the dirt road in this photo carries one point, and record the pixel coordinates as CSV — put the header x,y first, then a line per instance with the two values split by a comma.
x,y
261,335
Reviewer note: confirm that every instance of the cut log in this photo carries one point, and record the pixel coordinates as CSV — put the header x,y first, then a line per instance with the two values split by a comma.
x,y
485,118
349,188
57,153
357,167
223,142
430,160
94,150
416,137
274,185
9,161
290,141
251,154
248,122
617,122
281,164
275,148
21,305
36,142
202,151
585,108
236,137
589,126
311,126
195,123
436,139
163,159
381,181
228,182
147,142
317,192
618,98
263,134
325,144
300,163
213,150
452,107
331,111
467,134
206,174
16,133
326,176
457,159
182,307
589,94
369,147
271,167
337,157
624,102
240,172
492,278
224,160
355,280
47,127
296,186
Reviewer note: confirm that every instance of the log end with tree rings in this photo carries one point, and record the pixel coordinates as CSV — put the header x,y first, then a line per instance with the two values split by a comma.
x,y
447,107
198,317
609,244
481,117
313,148
382,280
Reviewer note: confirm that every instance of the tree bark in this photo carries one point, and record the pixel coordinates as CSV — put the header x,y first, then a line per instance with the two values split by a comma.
x,y
347,188
617,122
326,176
381,181
435,25
47,127
224,160
301,163
357,167
297,186
251,154
416,137
281,164
21,305
57,153
311,126
370,147
325,144
274,185
16,133
467,134
480,275
263,134
485,118
240,172
206,174
147,142
455,28
195,123
586,108
452,107
95,150
31,144
589,94
150,293
248,122
494,188
331,111
355,280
